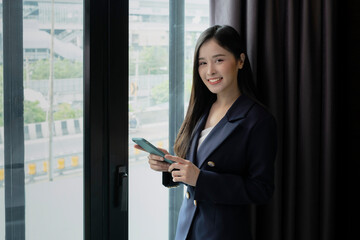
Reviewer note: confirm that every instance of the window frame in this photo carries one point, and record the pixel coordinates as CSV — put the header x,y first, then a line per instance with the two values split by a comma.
x,y
106,142
176,96
14,144
106,119
106,114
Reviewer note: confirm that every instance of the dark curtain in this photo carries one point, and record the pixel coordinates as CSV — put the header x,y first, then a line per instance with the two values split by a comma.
x,y
293,49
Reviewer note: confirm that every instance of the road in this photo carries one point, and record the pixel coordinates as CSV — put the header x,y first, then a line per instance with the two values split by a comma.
x,y
73,144
54,210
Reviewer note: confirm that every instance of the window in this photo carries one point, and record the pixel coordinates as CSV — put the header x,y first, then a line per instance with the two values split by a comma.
x,y
151,205
64,153
41,167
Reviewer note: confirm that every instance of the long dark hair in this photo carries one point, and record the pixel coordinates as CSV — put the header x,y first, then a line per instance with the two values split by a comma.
x,y
201,98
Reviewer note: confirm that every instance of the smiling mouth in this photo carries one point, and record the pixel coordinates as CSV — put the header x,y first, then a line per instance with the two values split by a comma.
x,y
213,81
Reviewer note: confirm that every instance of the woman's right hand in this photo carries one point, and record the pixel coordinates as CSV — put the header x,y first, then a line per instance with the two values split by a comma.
x,y
156,162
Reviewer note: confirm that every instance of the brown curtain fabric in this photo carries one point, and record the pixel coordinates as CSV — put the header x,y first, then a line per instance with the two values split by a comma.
x,y
292,46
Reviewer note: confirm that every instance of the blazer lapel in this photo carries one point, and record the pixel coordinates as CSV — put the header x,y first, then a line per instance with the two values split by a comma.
x,y
195,138
222,130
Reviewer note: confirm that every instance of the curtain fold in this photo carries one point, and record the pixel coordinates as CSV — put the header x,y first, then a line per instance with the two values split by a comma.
x,y
292,47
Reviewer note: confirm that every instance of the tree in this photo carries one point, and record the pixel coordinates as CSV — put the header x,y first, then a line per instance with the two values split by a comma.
x,y
152,60
33,112
160,93
63,68
65,111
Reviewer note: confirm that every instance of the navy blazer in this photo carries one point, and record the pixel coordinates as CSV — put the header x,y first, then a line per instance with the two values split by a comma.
x,y
236,162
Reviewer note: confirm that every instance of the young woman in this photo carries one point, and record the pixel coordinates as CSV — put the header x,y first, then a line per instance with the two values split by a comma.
x,y
226,146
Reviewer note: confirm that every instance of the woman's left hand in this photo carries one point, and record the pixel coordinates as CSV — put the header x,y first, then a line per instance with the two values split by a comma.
x,y
188,173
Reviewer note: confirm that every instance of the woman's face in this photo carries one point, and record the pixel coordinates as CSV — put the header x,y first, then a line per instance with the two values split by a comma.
x,y
218,68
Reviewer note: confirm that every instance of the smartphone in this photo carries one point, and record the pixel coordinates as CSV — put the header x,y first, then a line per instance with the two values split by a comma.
x,y
148,147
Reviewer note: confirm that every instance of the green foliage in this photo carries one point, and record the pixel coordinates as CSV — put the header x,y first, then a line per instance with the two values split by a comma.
x,y
131,108
33,113
160,93
150,60
63,68
66,112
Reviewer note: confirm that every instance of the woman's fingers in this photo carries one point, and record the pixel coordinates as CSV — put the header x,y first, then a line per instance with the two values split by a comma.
x,y
179,163
163,150
156,162
183,170
138,147
176,159
158,165
181,176
155,157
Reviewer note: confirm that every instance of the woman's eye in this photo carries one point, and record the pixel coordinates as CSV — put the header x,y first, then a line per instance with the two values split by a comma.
x,y
202,63
219,60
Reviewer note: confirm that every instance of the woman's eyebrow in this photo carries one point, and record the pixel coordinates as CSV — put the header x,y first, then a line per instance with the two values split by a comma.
x,y
215,56
219,55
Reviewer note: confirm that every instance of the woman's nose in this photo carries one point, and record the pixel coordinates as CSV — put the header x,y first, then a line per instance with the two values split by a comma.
x,y
211,69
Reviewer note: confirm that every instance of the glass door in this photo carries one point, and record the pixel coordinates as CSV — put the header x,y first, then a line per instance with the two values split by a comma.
x,y
148,115
154,74
48,164
53,119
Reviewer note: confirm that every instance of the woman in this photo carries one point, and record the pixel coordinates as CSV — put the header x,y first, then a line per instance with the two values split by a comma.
x,y
226,146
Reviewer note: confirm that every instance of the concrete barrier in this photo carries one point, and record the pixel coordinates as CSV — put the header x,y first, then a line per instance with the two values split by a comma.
x,y
41,130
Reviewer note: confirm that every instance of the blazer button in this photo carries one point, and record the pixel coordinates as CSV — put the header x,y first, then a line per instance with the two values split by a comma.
x,y
187,195
211,164
195,203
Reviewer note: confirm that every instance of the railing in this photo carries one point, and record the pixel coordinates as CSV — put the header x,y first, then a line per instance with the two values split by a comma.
x,y
72,163
37,170
40,130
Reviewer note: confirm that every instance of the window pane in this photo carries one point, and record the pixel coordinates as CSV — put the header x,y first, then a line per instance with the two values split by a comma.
x,y
196,21
148,115
149,105
53,155
2,162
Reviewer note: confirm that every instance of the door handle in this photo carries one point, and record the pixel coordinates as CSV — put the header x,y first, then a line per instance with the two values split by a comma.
x,y
122,171
121,191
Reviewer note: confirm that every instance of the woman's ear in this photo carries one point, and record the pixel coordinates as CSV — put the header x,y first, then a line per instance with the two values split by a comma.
x,y
241,60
